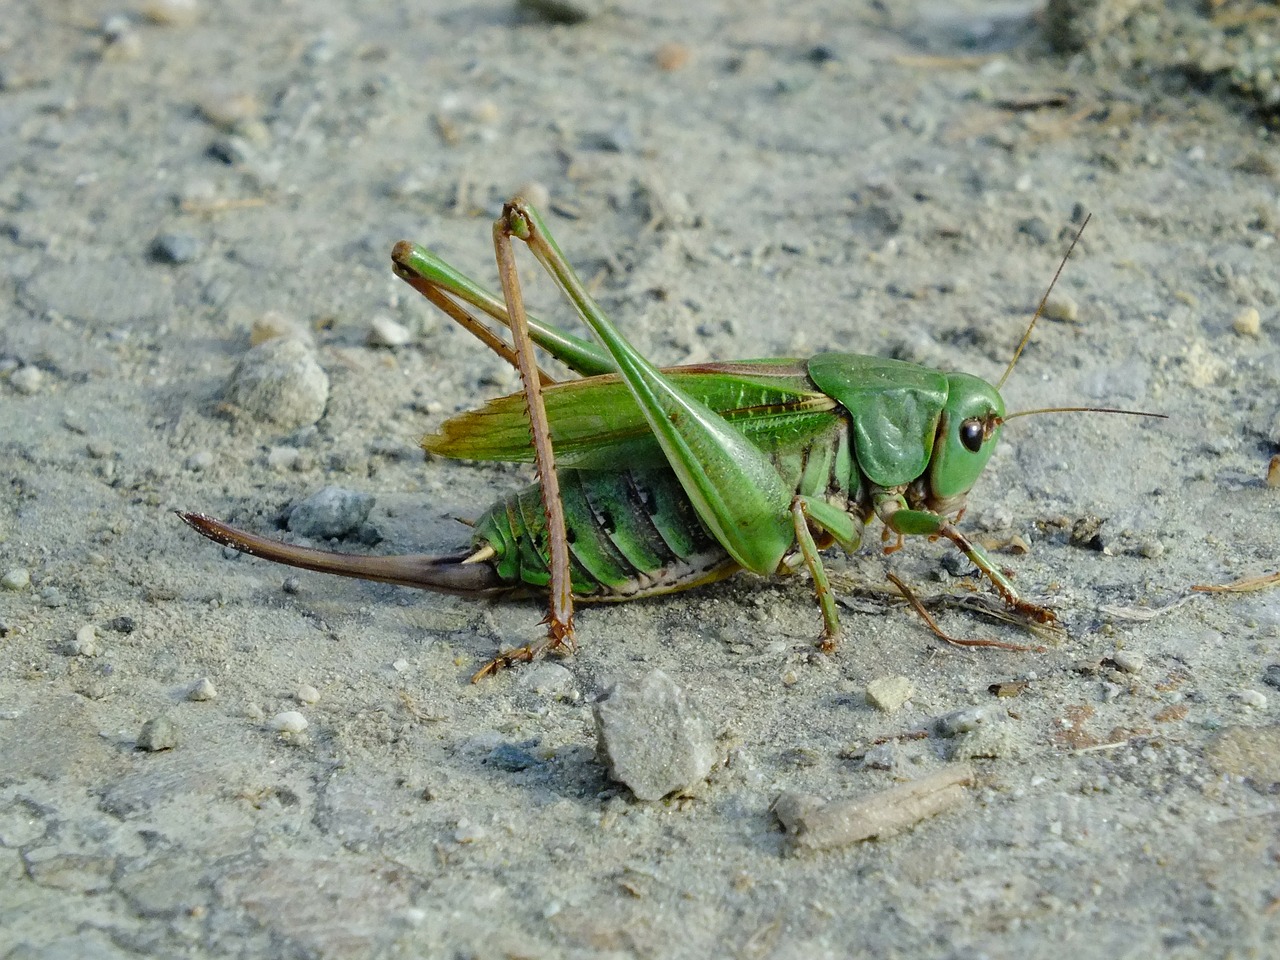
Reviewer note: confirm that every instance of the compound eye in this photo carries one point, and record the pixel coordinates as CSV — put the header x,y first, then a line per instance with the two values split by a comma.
x,y
972,433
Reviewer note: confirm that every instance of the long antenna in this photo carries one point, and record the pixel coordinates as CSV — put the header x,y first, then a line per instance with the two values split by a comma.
x,y
1132,413
1043,300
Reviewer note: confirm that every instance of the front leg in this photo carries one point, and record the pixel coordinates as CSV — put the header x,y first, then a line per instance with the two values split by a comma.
x,y
902,520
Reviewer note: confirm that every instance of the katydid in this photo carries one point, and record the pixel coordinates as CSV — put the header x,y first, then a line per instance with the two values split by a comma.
x,y
657,480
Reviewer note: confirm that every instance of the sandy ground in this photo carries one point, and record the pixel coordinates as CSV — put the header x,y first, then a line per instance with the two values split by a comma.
x,y
739,180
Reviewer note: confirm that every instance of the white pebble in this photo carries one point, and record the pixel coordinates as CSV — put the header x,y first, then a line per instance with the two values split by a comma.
x,y
1127,661
291,721
279,382
16,579
200,460
1061,306
171,13
283,458
202,690
26,380
1253,698
1248,322
307,694
230,109
889,693
385,332
400,666
86,642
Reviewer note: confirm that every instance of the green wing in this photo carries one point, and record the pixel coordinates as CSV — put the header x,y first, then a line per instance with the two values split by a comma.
x,y
894,407
595,423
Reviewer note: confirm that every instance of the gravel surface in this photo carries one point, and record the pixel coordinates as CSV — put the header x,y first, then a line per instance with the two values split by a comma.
x,y
204,755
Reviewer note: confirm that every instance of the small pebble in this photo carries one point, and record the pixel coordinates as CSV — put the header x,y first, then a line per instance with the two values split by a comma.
x,y
1087,532
1061,307
282,459
1008,689
1037,229
1273,472
1126,661
307,694
19,578
400,666
1271,676
330,513
888,694
123,42
230,110
52,597
171,13
26,380
1248,322
385,332
957,564
115,24
85,643
198,461
174,248
671,56
652,738
549,680
291,721
511,758
158,733
279,382
567,12
960,721
1151,549
202,690
1252,698
468,832
881,757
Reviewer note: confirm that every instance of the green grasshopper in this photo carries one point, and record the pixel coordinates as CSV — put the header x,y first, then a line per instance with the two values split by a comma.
x,y
658,480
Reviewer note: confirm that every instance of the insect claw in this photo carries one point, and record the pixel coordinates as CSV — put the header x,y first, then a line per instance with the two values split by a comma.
x,y
559,641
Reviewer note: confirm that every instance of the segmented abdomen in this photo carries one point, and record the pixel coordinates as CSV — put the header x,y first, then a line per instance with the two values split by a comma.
x,y
632,533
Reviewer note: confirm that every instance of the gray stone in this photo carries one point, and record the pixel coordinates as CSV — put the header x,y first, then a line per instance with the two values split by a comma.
x,y
19,578
175,248
331,512
959,721
652,738
158,733
279,382
511,758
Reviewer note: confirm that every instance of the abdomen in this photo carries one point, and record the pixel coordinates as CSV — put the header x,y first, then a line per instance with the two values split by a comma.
x,y
632,533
